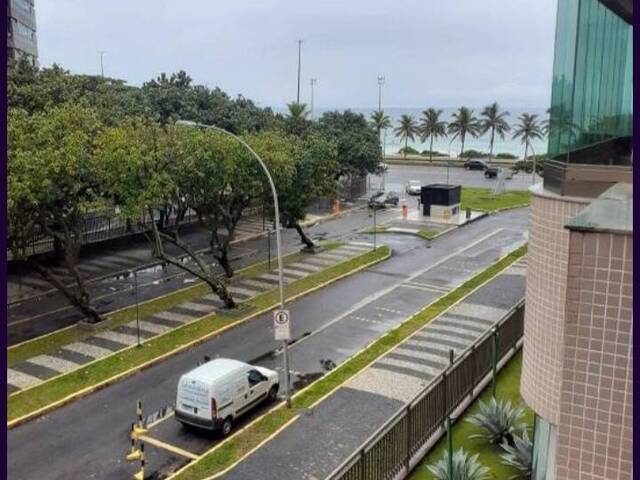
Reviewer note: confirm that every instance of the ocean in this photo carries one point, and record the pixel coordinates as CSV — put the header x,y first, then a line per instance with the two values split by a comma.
x,y
508,145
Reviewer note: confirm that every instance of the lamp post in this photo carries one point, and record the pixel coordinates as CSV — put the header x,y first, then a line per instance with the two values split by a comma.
x,y
276,208
380,83
313,82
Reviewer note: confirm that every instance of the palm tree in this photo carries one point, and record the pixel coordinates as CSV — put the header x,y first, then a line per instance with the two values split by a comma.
x,y
432,127
406,130
527,130
493,121
380,121
297,111
464,123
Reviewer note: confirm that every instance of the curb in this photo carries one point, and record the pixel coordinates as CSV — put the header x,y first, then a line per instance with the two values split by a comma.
x,y
122,375
368,365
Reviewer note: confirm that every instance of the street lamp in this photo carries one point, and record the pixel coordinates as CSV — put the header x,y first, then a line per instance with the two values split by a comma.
x,y
274,193
313,83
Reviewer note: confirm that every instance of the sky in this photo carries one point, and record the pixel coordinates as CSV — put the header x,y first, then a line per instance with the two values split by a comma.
x,y
440,53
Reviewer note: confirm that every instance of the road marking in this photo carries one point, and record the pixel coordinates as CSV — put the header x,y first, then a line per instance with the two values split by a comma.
x,y
168,447
55,363
196,307
87,349
371,298
21,380
178,317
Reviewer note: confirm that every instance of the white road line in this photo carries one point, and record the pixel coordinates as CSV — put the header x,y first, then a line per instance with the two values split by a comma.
x,y
21,380
87,349
54,363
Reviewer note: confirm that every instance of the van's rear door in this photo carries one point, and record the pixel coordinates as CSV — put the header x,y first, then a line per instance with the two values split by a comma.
x,y
194,398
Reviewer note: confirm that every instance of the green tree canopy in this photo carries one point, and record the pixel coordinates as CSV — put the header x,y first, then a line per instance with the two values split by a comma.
x,y
432,127
464,123
406,130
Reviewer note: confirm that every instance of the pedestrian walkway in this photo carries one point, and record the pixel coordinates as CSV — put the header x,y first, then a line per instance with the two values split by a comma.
x,y
38,369
318,441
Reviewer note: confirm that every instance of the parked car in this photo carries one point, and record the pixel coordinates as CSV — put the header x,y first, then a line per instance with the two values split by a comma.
x,y
413,187
492,172
475,165
383,199
213,395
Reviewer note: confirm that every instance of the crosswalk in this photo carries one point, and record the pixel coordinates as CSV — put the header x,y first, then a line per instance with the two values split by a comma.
x,y
40,368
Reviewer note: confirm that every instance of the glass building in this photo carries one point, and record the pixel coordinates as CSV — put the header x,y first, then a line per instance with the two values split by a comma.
x,y
592,93
21,30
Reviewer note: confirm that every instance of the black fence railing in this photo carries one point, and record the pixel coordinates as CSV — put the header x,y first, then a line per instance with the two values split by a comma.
x,y
391,449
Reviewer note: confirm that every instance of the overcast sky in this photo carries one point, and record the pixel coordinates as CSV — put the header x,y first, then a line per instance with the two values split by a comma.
x,y
441,53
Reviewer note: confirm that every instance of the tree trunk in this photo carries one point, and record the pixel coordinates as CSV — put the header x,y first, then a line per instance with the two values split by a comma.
x,y
222,256
462,147
431,150
491,145
406,141
79,299
303,236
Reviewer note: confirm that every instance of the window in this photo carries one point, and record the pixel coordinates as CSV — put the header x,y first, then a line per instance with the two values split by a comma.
x,y
544,450
591,96
255,377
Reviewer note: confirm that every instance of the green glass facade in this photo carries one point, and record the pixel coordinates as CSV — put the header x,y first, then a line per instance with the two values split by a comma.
x,y
592,91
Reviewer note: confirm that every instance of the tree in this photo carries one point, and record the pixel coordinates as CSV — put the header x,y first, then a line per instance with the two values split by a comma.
x,y
53,181
142,162
526,130
432,127
463,123
358,144
493,121
315,165
406,130
296,122
380,121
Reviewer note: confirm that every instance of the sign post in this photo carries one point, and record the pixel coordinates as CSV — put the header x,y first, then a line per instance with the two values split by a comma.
x,y
282,331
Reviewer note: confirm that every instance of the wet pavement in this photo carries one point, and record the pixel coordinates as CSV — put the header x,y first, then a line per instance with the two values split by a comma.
x,y
329,325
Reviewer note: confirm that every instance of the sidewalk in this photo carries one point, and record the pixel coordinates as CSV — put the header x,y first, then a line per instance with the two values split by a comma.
x,y
317,442
40,368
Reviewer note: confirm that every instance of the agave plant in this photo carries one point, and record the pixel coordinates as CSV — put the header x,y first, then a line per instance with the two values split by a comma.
x,y
498,420
465,467
519,456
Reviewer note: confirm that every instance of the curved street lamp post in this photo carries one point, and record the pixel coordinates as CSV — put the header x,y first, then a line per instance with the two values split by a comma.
x,y
285,351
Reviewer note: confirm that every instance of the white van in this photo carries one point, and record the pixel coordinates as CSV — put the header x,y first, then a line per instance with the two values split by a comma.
x,y
214,394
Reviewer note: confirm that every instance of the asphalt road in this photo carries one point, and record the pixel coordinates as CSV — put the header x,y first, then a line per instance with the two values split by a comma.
x,y
51,311
397,177
89,438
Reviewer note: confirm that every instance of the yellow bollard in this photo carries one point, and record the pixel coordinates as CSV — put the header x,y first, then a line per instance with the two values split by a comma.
x,y
405,211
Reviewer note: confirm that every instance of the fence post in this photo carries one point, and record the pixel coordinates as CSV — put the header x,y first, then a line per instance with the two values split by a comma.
x,y
494,360
363,470
449,449
473,369
408,423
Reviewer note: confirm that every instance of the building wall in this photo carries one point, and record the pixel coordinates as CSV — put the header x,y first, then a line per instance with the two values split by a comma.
x,y
547,259
595,429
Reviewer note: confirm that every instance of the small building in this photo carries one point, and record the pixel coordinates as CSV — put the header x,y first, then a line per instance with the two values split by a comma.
x,y
441,202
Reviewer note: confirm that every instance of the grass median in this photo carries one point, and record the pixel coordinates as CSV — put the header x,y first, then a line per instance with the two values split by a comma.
x,y
227,453
483,199
99,373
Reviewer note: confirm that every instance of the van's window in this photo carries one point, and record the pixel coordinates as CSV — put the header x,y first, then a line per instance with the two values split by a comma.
x,y
255,377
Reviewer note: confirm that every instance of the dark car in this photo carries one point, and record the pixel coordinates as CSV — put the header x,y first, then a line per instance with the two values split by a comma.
x,y
492,172
475,165
382,199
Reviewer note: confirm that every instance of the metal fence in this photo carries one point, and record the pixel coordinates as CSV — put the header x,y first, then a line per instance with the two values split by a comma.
x,y
390,450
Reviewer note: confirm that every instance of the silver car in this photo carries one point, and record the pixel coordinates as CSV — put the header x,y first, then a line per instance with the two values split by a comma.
x,y
413,187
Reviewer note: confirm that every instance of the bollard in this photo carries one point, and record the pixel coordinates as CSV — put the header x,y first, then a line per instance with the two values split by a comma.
x,y
336,206
140,474
468,213
139,429
405,211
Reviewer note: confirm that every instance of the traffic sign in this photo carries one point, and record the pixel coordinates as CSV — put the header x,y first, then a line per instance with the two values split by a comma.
x,y
281,325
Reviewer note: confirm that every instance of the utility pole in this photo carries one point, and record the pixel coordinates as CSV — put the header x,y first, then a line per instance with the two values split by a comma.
x,y
101,53
299,68
313,82
380,83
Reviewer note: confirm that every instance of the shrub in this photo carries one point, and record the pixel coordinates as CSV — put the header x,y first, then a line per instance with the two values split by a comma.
x,y
527,165
519,456
465,467
473,154
498,420
506,156
434,153
410,151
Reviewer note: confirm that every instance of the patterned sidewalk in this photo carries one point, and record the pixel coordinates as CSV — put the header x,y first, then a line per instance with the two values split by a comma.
x,y
38,369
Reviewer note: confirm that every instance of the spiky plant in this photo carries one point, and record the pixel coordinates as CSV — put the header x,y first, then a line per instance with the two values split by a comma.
x,y
499,421
465,467
519,456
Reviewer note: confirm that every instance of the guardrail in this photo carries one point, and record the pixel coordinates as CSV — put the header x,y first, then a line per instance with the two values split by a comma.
x,y
390,451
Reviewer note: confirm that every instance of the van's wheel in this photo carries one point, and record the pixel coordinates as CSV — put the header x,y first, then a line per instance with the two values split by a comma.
x,y
227,426
273,394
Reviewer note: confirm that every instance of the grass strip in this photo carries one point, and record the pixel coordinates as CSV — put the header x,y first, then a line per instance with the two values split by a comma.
x,y
50,343
484,200
508,387
229,452
59,388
